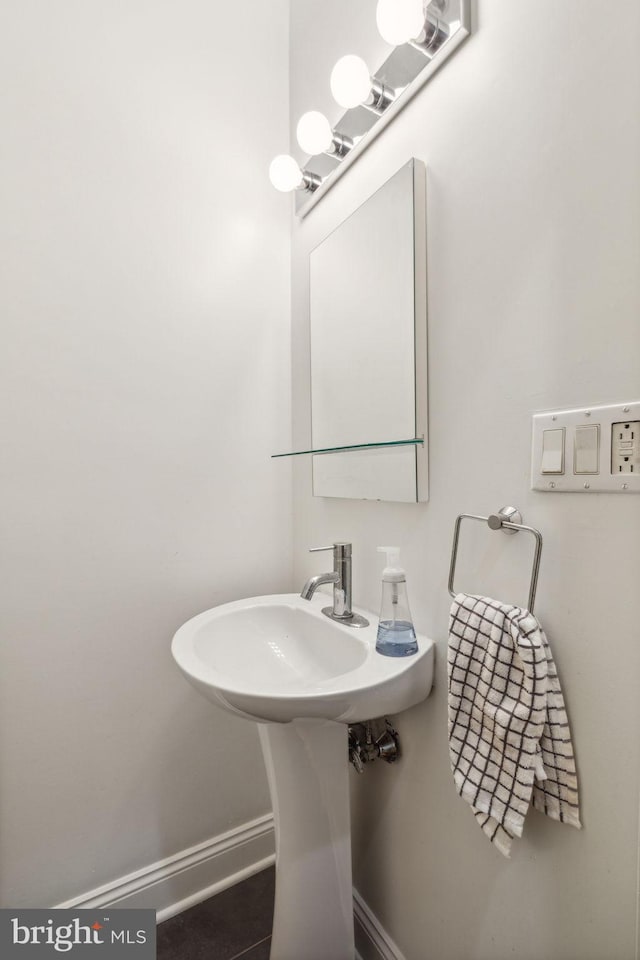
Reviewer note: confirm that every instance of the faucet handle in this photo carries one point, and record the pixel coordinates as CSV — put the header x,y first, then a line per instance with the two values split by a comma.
x,y
340,549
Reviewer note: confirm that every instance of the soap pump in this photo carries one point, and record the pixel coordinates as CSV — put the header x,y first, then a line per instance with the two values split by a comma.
x,y
396,636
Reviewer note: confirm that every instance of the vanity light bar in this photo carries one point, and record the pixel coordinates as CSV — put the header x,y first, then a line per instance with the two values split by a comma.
x,y
435,29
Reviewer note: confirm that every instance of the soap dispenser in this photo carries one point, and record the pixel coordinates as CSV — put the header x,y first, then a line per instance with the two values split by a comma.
x,y
396,636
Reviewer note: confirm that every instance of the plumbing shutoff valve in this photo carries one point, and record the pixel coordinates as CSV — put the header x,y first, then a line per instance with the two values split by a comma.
x,y
372,740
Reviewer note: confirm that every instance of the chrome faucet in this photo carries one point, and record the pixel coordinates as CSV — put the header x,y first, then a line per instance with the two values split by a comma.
x,y
340,577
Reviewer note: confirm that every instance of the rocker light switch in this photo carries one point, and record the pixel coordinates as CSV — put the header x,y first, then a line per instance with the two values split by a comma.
x,y
552,451
586,449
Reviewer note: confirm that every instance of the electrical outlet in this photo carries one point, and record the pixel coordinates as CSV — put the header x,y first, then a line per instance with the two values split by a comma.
x,y
625,447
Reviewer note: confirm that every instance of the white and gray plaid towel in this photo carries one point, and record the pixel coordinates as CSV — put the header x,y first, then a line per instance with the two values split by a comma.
x,y
509,738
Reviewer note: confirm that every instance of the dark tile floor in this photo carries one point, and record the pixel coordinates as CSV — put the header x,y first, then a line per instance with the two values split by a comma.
x,y
234,925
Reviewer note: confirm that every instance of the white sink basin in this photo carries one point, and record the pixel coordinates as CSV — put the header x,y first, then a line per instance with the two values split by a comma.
x,y
278,658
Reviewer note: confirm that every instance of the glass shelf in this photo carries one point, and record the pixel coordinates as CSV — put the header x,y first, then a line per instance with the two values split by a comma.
x,y
353,446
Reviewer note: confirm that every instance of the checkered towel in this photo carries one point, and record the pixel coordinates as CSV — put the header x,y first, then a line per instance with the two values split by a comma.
x,y
509,738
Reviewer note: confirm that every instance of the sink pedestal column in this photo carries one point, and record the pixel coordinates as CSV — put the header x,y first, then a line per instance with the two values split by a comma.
x,y
308,770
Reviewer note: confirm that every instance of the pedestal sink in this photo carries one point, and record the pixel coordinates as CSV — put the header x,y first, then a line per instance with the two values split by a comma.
x,y
303,678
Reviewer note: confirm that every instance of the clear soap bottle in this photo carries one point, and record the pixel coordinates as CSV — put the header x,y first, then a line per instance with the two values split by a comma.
x,y
396,636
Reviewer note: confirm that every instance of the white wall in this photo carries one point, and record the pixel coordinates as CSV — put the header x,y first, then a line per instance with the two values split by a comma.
x,y
531,136
144,285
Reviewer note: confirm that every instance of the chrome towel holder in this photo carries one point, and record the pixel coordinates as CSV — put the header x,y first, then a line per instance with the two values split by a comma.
x,y
509,520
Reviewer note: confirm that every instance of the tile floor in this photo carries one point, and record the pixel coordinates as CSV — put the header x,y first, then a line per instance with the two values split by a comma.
x,y
234,925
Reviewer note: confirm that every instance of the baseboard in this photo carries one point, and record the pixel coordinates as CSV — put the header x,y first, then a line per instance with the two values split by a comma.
x,y
172,885
191,876
372,940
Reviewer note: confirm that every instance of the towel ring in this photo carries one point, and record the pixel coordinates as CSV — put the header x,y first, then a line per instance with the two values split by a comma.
x,y
509,520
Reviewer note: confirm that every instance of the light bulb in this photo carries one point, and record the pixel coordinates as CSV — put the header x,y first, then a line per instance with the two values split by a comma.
x,y
350,81
314,133
399,20
284,173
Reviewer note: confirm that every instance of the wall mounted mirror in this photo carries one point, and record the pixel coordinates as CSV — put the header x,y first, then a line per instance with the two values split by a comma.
x,y
369,347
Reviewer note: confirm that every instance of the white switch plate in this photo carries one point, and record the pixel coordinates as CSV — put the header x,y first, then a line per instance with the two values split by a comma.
x,y
604,481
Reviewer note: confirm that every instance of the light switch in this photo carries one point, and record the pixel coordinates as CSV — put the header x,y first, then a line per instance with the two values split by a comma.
x,y
552,451
586,449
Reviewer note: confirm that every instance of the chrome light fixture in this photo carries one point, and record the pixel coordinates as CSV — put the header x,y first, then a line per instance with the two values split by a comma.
x,y
286,175
314,136
412,21
399,21
353,86
422,34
